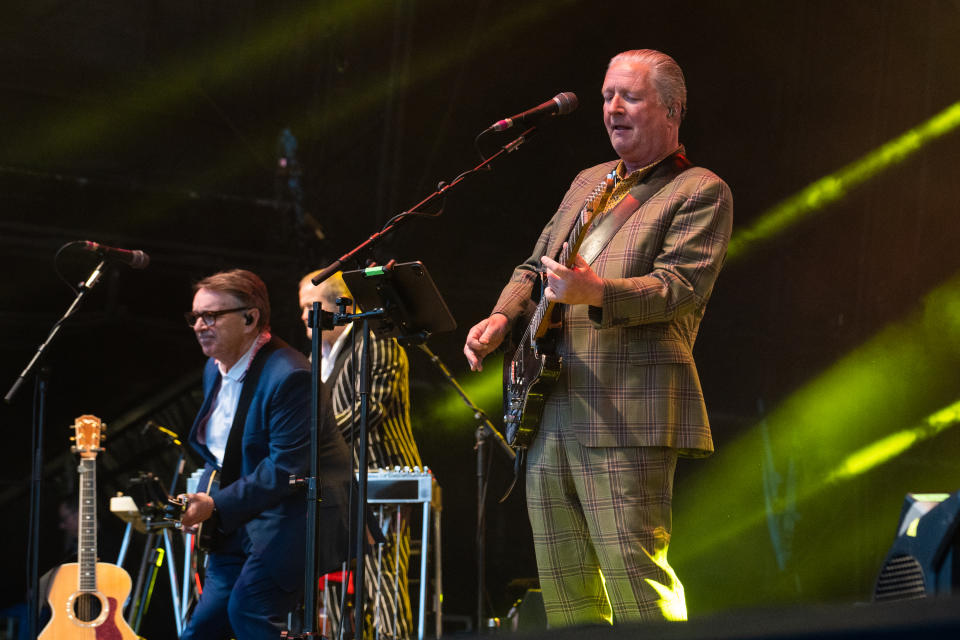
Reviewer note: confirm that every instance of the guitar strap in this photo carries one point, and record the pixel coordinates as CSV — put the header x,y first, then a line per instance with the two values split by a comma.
x,y
232,457
610,222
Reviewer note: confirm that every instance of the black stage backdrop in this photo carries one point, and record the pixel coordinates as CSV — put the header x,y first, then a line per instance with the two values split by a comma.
x,y
157,126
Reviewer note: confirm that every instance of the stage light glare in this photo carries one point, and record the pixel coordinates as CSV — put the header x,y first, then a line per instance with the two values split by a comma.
x,y
672,603
838,430
877,453
833,187
483,388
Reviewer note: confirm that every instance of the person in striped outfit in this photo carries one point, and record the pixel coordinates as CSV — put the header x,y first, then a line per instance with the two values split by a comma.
x,y
390,444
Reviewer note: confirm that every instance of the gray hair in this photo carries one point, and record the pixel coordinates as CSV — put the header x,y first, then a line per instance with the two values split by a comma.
x,y
667,75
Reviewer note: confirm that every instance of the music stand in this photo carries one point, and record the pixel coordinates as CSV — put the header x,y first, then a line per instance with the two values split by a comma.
x,y
402,302
411,302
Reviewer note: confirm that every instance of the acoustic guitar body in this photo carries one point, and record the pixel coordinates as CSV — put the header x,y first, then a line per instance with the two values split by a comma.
x,y
86,615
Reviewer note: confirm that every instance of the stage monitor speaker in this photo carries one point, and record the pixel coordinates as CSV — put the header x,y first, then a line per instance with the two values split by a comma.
x,y
924,560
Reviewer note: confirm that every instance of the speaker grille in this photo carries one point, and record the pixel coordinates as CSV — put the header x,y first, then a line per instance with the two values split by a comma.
x,y
900,579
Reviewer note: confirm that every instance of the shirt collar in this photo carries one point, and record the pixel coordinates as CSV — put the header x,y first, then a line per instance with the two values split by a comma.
x,y
640,173
338,344
239,370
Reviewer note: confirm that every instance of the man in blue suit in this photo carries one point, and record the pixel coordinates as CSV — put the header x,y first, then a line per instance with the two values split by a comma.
x,y
253,430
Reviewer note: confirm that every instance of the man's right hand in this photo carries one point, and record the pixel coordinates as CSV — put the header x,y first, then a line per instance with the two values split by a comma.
x,y
199,508
484,337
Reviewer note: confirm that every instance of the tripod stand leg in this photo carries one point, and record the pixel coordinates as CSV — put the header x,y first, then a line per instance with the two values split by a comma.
x,y
174,588
127,534
135,601
437,575
187,575
154,566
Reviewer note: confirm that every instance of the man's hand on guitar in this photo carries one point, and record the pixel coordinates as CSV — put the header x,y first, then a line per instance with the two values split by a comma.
x,y
199,508
484,337
574,285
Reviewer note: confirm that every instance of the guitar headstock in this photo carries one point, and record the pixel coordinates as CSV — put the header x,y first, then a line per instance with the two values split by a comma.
x,y
88,431
598,199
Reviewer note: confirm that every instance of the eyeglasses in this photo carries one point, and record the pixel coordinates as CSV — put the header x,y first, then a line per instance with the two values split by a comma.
x,y
209,317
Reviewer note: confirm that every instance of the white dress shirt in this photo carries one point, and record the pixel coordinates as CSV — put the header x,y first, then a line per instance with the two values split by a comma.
x,y
328,354
225,404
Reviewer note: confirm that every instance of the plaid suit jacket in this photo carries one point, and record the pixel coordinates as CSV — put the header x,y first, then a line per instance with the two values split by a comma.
x,y
630,375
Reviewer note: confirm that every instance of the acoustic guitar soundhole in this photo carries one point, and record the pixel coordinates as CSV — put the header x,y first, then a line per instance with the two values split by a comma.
x,y
87,607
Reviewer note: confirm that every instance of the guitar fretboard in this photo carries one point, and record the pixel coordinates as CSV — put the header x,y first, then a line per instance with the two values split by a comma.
x,y
87,543
585,218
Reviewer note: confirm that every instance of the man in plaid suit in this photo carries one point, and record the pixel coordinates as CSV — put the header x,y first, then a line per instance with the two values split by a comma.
x,y
628,401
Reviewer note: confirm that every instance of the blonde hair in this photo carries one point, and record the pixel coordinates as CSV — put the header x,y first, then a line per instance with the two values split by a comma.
x,y
330,289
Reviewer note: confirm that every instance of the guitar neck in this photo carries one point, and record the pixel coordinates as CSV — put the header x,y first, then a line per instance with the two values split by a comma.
x,y
87,515
594,205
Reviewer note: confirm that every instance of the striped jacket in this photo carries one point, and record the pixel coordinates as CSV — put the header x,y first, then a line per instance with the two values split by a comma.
x,y
390,439
628,365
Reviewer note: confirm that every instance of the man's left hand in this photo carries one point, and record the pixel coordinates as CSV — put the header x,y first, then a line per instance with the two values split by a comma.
x,y
578,284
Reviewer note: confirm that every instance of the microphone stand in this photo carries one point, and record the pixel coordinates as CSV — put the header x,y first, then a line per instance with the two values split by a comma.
x,y
415,209
312,560
485,431
340,318
39,420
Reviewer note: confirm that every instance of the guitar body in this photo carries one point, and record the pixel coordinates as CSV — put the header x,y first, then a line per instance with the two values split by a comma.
x,y
82,615
208,536
531,375
529,379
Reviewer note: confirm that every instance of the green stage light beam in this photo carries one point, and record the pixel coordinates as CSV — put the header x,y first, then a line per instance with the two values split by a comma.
x,y
483,388
833,187
183,79
875,454
426,65
858,405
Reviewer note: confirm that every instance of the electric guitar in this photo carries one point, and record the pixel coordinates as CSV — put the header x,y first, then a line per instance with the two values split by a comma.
x,y
87,596
532,373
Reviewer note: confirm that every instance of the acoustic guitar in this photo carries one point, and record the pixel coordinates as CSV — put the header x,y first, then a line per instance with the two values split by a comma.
x,y
87,596
532,373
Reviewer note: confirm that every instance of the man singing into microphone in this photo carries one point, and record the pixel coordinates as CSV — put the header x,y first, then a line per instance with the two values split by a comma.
x,y
628,400
254,430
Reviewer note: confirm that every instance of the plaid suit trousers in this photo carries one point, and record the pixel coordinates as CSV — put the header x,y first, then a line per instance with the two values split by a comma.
x,y
598,510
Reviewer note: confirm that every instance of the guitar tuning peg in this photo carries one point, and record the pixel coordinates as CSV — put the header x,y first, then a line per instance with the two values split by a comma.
x,y
73,438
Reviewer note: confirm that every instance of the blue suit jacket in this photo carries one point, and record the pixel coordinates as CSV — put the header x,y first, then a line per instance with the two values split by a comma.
x,y
276,445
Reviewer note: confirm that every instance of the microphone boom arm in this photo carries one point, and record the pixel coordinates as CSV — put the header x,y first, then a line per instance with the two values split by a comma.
x,y
416,209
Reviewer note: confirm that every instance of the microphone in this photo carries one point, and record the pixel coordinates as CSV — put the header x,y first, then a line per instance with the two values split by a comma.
x,y
560,104
134,258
